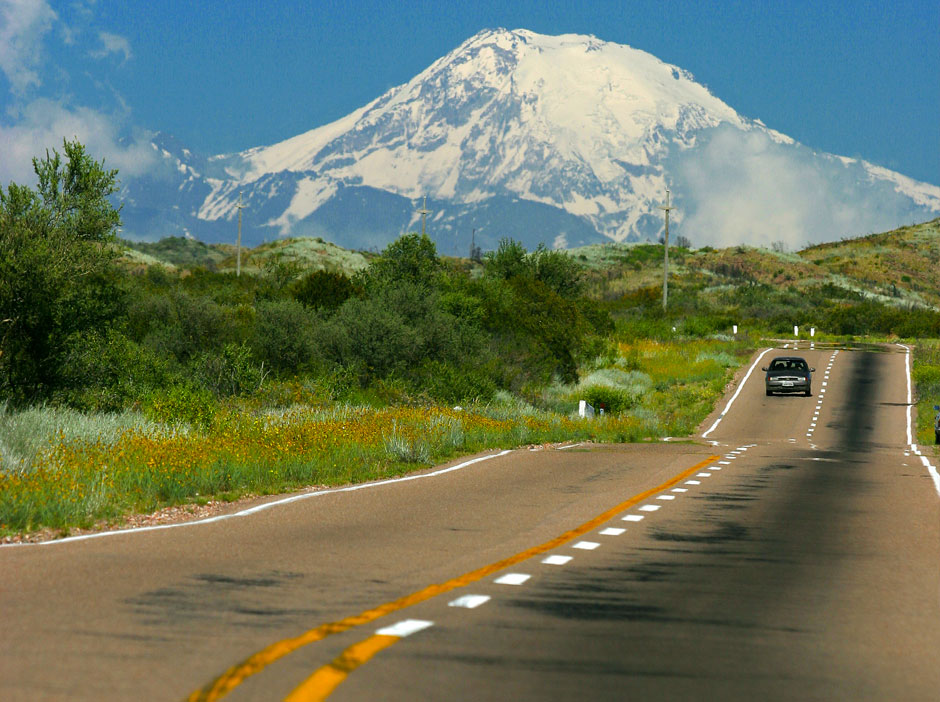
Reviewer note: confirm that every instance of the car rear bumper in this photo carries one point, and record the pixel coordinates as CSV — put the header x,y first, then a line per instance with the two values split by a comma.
x,y
797,385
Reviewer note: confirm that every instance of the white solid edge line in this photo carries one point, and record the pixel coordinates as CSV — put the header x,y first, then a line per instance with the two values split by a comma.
x,y
266,505
934,475
910,394
736,393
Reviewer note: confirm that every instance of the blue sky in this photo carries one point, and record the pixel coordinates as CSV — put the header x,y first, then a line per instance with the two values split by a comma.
x,y
851,77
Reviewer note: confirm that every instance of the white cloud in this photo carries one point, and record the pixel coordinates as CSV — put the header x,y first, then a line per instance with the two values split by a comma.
x,y
23,23
44,123
112,44
742,187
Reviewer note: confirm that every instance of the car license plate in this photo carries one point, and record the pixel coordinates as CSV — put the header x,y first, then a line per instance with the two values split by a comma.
x,y
787,383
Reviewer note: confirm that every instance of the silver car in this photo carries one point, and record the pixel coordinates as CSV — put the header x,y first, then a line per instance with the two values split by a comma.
x,y
789,374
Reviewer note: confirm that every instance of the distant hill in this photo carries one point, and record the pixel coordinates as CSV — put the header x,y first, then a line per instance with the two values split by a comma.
x,y
178,252
900,267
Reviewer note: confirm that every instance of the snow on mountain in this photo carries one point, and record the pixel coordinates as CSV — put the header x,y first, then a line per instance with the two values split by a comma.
x,y
570,121
555,139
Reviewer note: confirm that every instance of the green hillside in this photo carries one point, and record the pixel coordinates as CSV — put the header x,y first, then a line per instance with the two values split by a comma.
x,y
899,267
306,253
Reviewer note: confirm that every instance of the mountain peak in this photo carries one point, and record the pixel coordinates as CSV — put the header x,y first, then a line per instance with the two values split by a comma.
x,y
514,127
566,121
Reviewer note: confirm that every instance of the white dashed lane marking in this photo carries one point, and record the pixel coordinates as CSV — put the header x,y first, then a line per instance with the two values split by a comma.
x,y
680,489
666,497
469,601
556,560
612,531
633,518
649,508
512,579
405,628
693,482
586,545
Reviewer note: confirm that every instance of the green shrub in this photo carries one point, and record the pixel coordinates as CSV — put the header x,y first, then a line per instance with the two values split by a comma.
x,y
448,383
283,337
185,403
106,371
926,375
323,289
229,371
612,400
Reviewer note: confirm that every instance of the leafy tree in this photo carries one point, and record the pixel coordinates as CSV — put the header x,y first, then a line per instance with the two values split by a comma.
x,y
559,271
56,267
412,258
508,261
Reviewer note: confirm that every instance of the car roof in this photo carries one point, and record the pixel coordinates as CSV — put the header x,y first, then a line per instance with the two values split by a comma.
x,y
788,358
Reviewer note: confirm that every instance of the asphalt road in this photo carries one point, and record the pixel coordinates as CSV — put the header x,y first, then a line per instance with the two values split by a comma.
x,y
798,558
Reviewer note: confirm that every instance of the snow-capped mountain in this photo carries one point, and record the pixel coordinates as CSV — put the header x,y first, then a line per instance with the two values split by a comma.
x,y
561,140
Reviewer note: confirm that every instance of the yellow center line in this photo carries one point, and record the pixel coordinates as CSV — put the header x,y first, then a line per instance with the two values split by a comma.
x,y
255,663
321,684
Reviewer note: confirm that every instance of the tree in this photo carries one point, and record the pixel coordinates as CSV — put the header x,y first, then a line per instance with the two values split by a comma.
x,y
57,275
508,261
412,258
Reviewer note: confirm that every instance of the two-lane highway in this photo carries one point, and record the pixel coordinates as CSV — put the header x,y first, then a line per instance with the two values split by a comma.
x,y
792,552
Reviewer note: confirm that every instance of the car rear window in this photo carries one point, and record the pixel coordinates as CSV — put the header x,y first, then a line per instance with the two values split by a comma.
x,y
788,364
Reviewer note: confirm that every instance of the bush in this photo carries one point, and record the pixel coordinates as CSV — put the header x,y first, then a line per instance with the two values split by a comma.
x,y
106,371
611,400
185,403
394,331
228,372
451,384
323,290
283,337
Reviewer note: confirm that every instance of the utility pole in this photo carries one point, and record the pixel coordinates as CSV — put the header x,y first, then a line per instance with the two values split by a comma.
x,y
666,209
424,212
238,244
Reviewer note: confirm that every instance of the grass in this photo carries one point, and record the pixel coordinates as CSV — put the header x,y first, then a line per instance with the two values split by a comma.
x,y
926,377
79,470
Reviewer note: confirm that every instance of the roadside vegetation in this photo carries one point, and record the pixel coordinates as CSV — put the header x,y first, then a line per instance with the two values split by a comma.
x,y
135,376
926,377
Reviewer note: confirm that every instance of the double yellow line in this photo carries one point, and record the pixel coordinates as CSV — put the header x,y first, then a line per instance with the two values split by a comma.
x,y
335,672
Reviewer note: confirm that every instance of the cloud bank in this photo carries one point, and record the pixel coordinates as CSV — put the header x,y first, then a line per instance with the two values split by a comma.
x,y
743,187
43,124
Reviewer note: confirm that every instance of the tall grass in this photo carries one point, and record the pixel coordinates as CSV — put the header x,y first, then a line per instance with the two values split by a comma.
x,y
26,434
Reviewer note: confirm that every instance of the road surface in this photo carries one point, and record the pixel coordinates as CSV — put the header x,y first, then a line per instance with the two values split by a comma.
x,y
795,553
